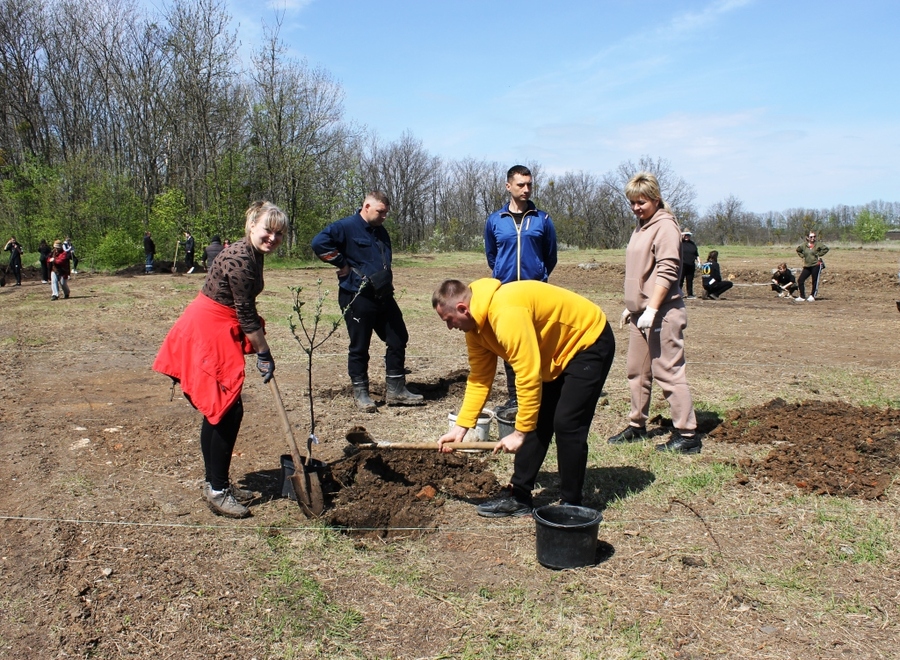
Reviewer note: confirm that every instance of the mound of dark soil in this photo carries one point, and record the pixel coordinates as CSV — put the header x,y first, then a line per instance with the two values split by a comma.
x,y
826,448
389,493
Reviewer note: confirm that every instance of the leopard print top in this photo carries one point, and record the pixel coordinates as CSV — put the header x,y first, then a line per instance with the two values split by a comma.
x,y
235,279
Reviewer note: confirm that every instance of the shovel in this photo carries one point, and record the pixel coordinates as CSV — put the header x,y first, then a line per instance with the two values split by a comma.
x,y
175,261
305,479
360,437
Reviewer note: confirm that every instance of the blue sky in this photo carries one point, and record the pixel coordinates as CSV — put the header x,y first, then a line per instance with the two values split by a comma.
x,y
782,104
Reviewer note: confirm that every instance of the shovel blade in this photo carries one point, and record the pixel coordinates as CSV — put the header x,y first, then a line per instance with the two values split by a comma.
x,y
298,481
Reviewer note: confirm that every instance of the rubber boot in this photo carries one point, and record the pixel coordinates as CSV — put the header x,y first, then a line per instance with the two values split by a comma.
x,y
398,395
361,396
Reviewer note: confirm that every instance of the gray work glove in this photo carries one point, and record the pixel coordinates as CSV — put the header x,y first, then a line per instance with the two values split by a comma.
x,y
266,365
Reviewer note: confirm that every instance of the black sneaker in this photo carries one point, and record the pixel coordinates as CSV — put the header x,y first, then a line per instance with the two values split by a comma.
x,y
630,434
509,405
504,506
681,444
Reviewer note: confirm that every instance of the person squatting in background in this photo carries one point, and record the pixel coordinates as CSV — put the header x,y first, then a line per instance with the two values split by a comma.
x,y
811,253
656,318
15,258
59,271
520,244
211,251
359,247
690,259
713,284
783,281
204,351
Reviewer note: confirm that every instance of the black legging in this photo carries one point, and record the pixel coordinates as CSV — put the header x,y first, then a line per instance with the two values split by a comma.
x,y
807,272
217,444
687,277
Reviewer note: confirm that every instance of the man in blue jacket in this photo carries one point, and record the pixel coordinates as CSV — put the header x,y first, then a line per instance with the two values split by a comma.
x,y
360,248
520,244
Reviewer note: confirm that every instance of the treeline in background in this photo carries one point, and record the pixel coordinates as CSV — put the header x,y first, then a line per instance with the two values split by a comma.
x,y
114,121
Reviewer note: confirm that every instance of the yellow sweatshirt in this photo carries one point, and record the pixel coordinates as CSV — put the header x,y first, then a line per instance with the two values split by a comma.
x,y
536,327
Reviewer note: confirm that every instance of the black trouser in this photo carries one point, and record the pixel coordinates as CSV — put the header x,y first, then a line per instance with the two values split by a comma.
x,y
217,444
718,288
790,286
567,410
368,314
17,271
807,272
510,381
45,271
189,259
687,276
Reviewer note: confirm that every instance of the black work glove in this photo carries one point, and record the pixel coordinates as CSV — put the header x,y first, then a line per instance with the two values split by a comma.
x,y
266,365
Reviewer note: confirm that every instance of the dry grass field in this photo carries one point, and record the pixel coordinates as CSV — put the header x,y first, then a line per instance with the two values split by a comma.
x,y
107,550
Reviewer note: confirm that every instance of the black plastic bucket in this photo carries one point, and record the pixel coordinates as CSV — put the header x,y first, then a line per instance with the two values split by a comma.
x,y
566,535
287,471
506,421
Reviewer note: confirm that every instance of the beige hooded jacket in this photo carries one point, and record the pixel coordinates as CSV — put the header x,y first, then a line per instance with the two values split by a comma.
x,y
653,256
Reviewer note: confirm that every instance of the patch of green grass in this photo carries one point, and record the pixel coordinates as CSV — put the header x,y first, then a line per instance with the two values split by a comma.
x,y
78,486
706,478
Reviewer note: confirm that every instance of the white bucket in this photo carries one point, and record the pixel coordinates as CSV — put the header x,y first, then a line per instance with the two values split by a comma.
x,y
482,428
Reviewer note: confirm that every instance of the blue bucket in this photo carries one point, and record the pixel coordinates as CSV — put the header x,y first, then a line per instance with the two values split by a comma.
x,y
566,535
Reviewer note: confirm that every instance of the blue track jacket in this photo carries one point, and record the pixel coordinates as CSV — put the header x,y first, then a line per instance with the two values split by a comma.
x,y
526,252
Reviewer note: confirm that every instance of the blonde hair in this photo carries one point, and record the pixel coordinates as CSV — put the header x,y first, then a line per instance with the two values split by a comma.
x,y
274,218
645,184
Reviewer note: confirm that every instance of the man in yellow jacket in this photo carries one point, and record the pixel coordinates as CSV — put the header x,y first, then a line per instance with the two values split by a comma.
x,y
560,347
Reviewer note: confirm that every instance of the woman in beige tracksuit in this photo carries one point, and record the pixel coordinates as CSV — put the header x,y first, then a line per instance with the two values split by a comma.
x,y
656,318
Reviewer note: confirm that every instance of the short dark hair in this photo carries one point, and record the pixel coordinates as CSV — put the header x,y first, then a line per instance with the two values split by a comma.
x,y
450,290
379,196
517,169
215,239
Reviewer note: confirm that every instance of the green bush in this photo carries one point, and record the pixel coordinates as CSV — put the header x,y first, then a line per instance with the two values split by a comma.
x,y
118,249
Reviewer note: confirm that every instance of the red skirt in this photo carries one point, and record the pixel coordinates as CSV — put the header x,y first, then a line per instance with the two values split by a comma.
x,y
204,352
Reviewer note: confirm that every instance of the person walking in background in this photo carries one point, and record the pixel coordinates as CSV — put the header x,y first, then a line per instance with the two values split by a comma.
x,y
561,348
811,252
690,259
59,271
520,244
70,253
189,252
359,247
204,351
656,318
211,251
783,281
713,284
15,259
44,252
149,253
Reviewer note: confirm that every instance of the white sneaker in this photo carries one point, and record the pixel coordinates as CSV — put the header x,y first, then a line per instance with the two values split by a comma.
x,y
781,295
810,299
190,270
74,272
799,299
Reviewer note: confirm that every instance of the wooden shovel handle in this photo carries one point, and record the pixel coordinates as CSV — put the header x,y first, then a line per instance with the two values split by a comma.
x,y
428,445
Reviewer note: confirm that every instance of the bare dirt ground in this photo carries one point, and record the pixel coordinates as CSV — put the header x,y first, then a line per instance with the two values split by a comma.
x,y
776,542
